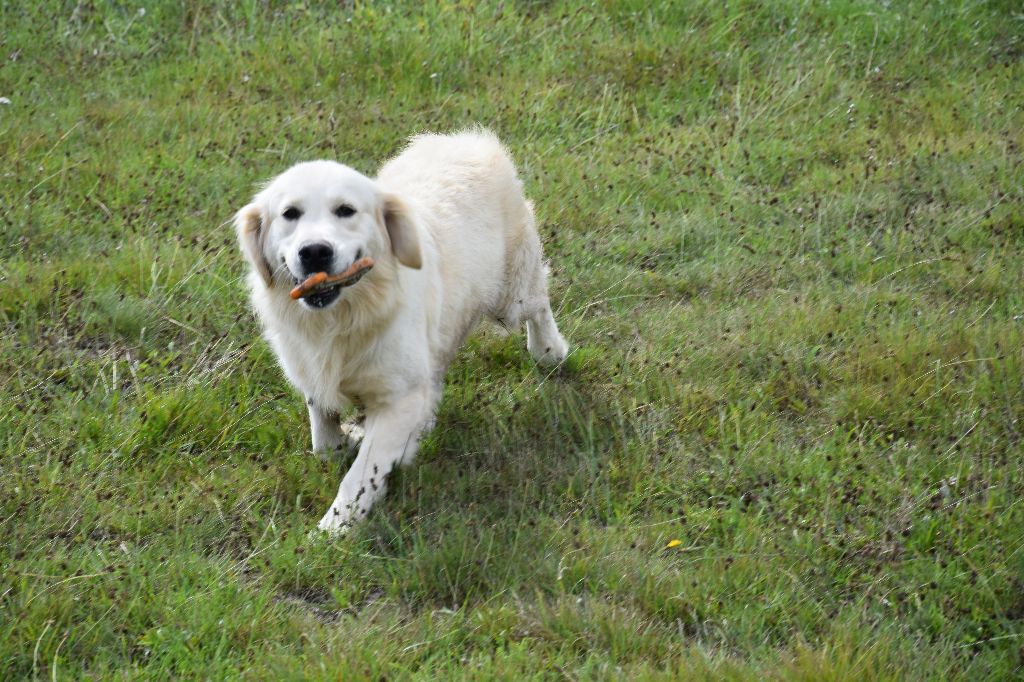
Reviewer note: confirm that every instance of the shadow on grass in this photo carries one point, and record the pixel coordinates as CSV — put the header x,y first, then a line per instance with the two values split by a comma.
x,y
482,511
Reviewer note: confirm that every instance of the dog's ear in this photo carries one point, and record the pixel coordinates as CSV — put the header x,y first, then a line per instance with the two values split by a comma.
x,y
250,224
402,231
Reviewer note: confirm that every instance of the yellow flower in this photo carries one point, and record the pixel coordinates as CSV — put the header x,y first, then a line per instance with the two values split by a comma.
x,y
673,543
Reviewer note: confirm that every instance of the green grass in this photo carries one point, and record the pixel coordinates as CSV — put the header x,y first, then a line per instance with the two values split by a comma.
x,y
787,245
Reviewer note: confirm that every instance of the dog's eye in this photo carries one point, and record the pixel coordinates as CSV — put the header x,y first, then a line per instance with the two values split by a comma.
x,y
344,211
292,213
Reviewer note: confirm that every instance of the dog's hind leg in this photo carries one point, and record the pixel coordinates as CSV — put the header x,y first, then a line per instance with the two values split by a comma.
x,y
543,339
527,299
353,433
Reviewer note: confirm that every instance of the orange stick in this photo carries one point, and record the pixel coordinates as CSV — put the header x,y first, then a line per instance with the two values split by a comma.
x,y
319,279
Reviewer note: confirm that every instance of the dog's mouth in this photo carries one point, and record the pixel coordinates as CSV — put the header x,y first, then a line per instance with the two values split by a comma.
x,y
320,289
322,296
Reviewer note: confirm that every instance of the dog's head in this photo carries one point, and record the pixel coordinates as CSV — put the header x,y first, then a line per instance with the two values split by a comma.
x,y
321,216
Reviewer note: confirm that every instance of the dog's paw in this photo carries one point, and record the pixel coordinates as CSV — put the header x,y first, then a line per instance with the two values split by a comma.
x,y
549,351
324,446
336,522
352,435
345,443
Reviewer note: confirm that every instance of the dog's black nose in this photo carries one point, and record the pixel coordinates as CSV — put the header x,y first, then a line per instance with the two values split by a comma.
x,y
316,257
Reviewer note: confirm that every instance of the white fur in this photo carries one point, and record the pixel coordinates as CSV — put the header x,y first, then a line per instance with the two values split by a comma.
x,y
453,239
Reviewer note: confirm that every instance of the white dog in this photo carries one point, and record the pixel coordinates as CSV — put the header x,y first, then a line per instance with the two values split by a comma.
x,y
453,240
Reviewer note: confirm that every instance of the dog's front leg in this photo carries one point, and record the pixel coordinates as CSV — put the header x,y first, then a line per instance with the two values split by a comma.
x,y
323,424
391,439
328,435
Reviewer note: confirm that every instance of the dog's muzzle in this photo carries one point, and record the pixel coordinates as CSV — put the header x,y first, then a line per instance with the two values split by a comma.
x,y
320,289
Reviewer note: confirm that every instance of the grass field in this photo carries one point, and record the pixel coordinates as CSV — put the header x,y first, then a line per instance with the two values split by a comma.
x,y
787,243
